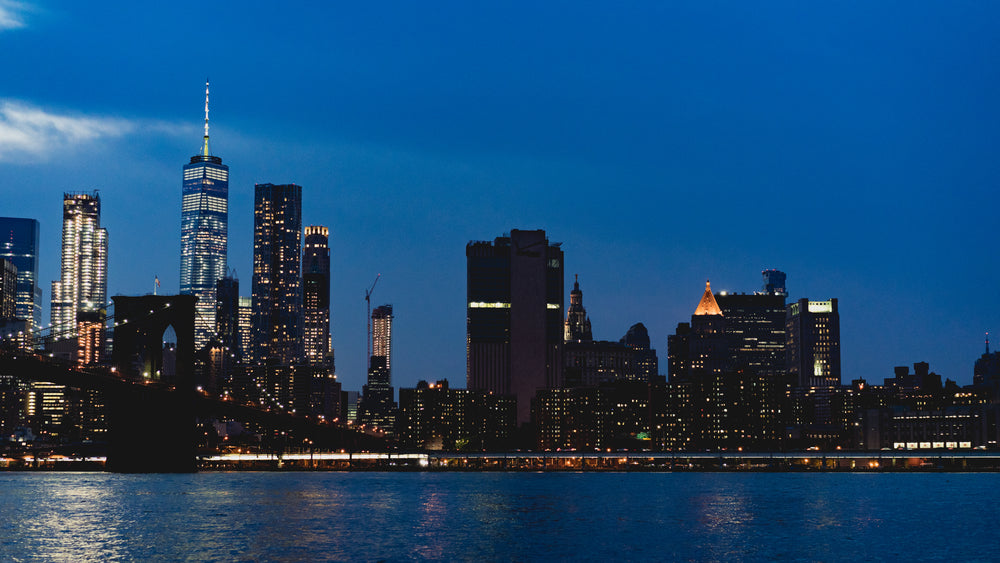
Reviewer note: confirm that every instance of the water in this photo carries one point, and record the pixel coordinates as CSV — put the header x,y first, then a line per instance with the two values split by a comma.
x,y
499,516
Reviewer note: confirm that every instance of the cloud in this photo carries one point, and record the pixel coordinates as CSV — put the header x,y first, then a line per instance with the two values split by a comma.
x,y
34,132
12,14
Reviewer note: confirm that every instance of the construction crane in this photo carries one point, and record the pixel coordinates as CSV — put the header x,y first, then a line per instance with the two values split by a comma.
x,y
368,302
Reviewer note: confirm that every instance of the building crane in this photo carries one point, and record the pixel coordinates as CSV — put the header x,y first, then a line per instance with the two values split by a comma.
x,y
368,302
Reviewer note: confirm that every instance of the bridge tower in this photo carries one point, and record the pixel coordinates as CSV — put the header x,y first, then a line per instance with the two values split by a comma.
x,y
152,431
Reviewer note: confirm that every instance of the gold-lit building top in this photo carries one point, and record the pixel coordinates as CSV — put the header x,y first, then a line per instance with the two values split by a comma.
x,y
707,305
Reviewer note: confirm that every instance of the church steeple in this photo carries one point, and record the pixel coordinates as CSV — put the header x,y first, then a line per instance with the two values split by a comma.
x,y
577,325
707,305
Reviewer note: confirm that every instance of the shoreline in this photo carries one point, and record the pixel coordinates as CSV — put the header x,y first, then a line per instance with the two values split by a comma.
x,y
565,462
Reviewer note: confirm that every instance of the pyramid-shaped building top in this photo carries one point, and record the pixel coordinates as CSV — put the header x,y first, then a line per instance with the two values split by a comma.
x,y
707,305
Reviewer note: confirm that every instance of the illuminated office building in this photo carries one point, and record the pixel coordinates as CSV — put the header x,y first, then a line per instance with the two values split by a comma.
x,y
316,296
204,231
8,289
19,244
83,287
277,281
382,334
378,396
514,327
246,327
813,347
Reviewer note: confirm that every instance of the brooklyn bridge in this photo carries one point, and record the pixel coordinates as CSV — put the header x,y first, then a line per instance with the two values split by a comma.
x,y
152,413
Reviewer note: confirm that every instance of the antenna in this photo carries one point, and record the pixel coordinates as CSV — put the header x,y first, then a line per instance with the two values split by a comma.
x,y
368,301
205,148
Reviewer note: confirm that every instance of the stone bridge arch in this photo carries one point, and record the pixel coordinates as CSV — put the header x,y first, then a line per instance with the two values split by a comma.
x,y
140,322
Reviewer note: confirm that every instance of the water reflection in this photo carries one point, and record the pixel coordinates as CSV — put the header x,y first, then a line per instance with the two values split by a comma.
x,y
477,516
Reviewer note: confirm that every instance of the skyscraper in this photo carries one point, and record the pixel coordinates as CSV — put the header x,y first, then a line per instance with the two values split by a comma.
x,y
813,345
19,244
514,326
277,283
204,231
84,284
316,296
755,324
377,401
227,317
382,334
8,289
245,328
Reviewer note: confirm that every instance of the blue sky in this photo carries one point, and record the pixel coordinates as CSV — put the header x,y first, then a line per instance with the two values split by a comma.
x,y
851,145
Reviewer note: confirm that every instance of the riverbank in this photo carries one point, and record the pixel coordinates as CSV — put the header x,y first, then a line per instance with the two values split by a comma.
x,y
883,461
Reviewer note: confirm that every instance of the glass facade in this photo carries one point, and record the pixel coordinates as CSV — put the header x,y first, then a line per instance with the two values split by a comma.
x,y
204,233
316,296
84,284
19,244
277,282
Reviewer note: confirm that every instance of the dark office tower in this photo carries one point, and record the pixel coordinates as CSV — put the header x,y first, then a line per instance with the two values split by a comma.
x,y
755,327
84,284
277,283
514,327
813,346
577,327
204,231
647,365
774,282
227,317
316,296
8,289
755,324
19,244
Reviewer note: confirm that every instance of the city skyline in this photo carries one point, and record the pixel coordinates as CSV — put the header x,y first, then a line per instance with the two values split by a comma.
x,y
663,146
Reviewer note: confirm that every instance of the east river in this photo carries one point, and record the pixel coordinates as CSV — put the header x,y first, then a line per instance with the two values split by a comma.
x,y
369,516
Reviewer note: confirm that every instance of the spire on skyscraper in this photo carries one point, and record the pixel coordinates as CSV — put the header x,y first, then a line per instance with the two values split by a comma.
x,y
205,151
204,232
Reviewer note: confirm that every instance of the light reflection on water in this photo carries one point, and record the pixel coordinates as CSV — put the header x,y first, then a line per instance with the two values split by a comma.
x,y
497,516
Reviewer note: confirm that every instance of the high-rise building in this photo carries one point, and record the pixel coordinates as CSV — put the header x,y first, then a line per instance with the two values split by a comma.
x,y
204,232
8,289
83,287
700,357
316,296
813,347
378,396
382,334
647,365
277,281
514,327
755,324
246,328
19,244
577,327
227,317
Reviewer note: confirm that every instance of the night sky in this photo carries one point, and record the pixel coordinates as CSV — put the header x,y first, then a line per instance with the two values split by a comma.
x,y
664,143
